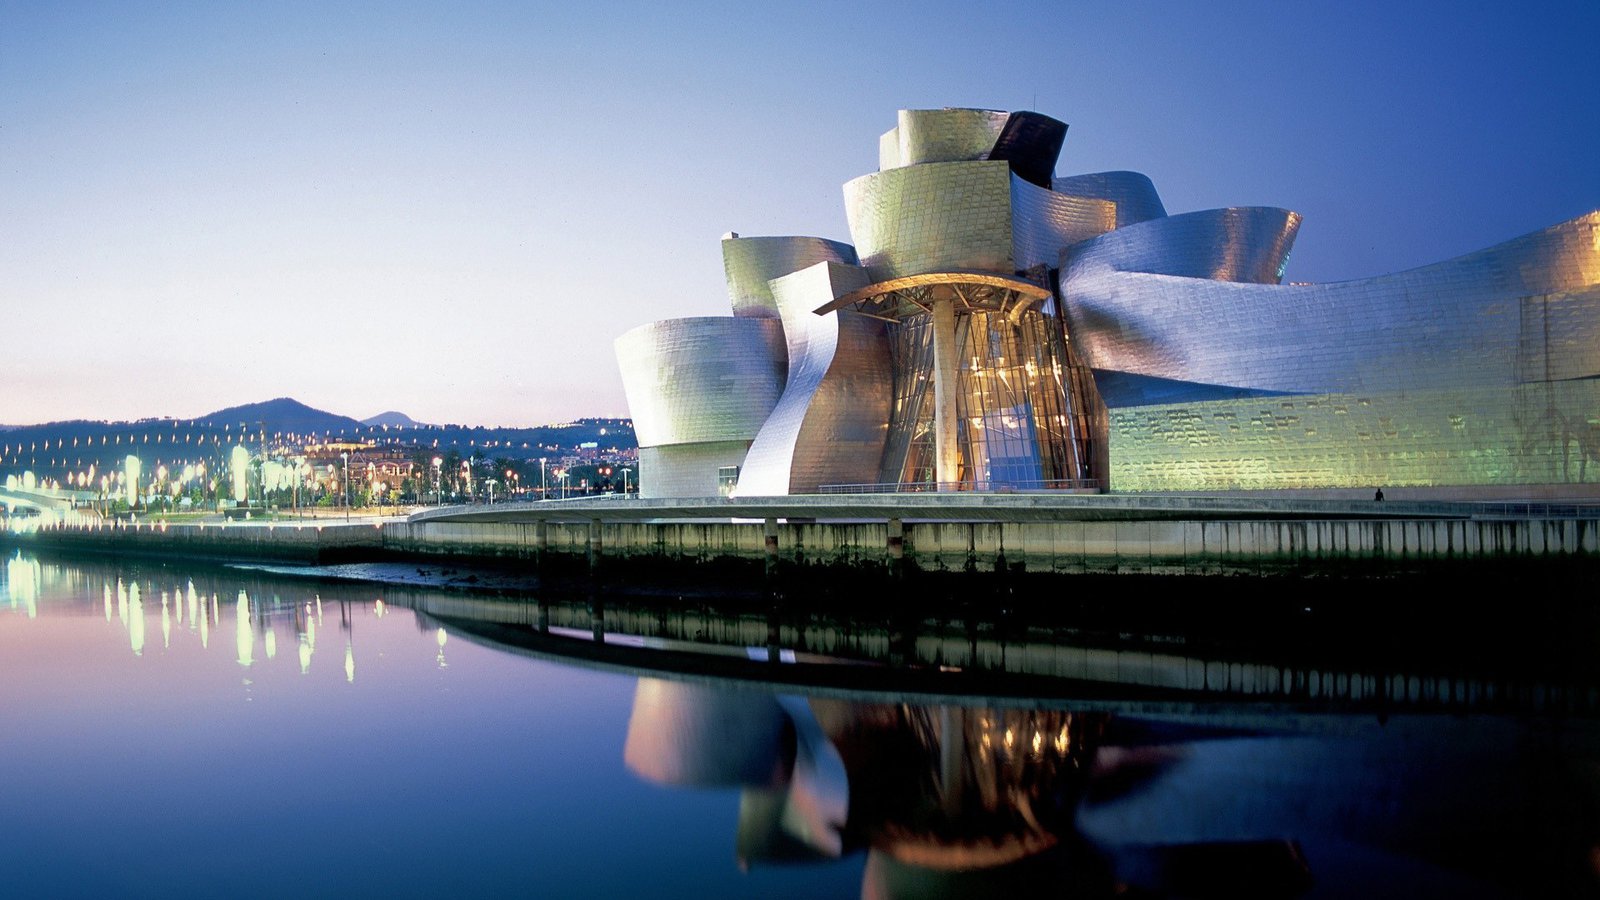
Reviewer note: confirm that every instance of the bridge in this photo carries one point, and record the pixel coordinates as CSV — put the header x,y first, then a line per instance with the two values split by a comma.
x,y
43,499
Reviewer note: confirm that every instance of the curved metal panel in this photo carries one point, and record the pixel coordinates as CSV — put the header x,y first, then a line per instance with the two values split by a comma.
x,y
1031,142
702,379
751,262
830,424
1245,243
1526,310
1044,222
936,217
947,135
1133,193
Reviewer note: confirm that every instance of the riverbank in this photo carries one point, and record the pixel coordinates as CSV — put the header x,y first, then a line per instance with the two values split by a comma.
x,y
894,537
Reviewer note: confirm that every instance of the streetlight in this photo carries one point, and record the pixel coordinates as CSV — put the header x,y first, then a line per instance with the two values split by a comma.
x,y
624,484
544,483
438,487
345,457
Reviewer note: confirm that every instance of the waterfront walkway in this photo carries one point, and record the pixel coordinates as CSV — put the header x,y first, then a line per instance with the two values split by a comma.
x,y
991,507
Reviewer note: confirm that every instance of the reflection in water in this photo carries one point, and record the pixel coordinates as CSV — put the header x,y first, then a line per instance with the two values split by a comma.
x,y
244,639
955,801
189,609
1099,787
931,789
23,577
135,620
1214,790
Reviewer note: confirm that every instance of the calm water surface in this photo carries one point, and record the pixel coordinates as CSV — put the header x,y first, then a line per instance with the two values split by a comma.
x,y
190,731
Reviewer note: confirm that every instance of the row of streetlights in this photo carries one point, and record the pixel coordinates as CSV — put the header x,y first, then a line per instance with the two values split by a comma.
x,y
562,475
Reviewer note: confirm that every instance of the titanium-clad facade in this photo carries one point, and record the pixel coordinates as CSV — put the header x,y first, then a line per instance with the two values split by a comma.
x,y
932,217
749,263
1540,439
1482,319
1133,194
939,135
1475,373
830,424
699,390
996,325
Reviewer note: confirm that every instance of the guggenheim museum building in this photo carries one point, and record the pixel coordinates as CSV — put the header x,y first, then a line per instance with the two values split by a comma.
x,y
995,326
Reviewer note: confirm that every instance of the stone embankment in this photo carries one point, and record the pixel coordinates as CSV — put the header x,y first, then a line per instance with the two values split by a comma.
x,y
1194,536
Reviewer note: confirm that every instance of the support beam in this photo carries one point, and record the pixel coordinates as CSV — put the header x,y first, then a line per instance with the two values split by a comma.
x,y
945,427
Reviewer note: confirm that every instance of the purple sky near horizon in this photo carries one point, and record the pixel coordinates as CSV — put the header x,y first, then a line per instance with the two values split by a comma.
x,y
453,211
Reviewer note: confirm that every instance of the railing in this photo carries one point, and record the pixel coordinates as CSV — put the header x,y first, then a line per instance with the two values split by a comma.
x,y
1534,509
987,487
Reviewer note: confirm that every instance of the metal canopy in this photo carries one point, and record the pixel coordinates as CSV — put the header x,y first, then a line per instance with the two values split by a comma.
x,y
896,299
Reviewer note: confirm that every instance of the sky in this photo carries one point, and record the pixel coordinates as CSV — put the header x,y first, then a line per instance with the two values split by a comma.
x,y
452,210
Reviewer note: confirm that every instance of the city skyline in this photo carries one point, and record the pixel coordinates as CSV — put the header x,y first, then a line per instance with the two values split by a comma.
x,y
453,214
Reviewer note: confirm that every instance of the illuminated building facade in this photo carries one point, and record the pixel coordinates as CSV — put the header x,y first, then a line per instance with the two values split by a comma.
x,y
995,326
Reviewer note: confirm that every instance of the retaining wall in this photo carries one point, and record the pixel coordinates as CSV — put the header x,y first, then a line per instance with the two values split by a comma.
x,y
1162,547
1149,547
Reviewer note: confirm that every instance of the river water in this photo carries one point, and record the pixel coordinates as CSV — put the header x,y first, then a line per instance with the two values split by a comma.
x,y
185,730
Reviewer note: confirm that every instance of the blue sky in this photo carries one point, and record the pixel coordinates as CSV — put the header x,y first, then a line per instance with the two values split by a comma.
x,y
452,210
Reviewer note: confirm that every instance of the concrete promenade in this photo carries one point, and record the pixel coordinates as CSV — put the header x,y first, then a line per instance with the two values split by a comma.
x,y
1024,533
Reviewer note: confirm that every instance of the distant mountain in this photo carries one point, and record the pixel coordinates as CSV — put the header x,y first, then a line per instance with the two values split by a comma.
x,y
285,415
61,449
391,418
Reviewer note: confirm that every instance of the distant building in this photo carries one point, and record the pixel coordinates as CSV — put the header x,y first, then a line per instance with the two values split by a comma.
x,y
996,326
369,464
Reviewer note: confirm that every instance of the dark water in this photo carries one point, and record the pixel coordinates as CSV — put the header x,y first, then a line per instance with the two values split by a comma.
x,y
189,731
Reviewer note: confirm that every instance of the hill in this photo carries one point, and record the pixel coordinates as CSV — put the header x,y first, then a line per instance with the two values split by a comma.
x,y
392,419
285,415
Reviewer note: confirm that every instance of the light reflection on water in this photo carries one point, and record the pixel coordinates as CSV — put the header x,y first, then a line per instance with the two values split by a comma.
x,y
499,747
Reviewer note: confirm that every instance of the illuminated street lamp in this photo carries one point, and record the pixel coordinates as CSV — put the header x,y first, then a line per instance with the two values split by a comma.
x,y
345,457
544,483
438,485
625,483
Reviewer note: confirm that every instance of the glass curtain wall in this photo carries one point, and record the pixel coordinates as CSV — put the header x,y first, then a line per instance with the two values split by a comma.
x,y
1028,413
